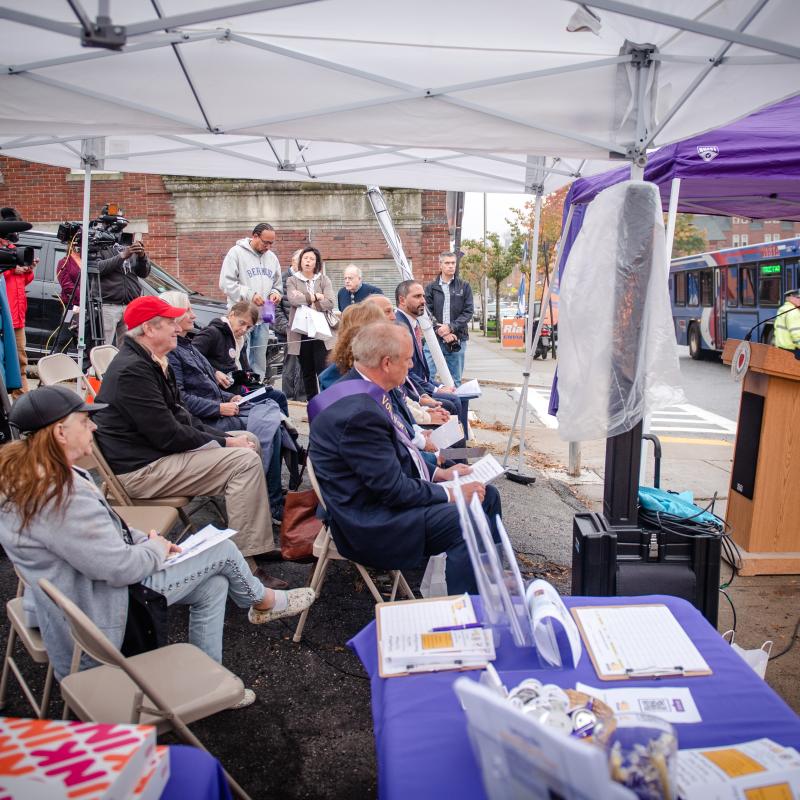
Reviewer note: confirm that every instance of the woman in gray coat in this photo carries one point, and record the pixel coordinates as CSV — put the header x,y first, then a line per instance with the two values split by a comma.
x,y
308,286
55,524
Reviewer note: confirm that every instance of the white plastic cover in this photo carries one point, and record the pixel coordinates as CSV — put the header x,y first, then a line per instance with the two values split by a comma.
x,y
618,360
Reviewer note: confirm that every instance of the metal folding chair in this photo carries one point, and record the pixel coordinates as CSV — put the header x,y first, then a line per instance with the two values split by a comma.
x,y
169,687
325,551
100,357
60,368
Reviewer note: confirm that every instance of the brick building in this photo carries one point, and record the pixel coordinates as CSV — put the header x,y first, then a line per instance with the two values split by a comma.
x,y
723,232
188,224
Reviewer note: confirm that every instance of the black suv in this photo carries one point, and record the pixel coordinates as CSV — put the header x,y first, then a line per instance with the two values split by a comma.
x,y
44,304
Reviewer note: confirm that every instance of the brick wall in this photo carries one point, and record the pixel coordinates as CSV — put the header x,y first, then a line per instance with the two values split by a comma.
x,y
45,195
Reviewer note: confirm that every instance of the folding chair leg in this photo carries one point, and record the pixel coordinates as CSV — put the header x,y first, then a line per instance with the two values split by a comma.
x,y
370,583
406,589
396,576
12,635
48,687
317,579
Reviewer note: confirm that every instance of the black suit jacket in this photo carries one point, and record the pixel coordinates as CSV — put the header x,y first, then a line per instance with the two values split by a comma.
x,y
419,373
369,483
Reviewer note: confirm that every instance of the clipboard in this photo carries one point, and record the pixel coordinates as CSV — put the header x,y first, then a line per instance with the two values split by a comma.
x,y
667,631
419,668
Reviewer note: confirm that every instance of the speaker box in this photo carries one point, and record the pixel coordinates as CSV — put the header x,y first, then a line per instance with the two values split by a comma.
x,y
608,562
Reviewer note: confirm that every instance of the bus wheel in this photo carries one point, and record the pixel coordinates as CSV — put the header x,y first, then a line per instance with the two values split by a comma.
x,y
695,346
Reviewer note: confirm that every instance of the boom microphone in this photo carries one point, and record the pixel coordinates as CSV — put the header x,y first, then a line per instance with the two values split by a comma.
x,y
13,226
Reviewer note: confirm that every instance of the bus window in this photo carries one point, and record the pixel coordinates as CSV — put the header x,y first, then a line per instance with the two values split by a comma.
x,y
769,284
707,288
731,294
693,288
748,286
680,288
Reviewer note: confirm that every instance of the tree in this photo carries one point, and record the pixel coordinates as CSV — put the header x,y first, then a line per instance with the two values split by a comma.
x,y
522,222
490,260
689,239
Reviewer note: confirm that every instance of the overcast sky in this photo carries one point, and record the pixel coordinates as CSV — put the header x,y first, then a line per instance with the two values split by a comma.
x,y
497,209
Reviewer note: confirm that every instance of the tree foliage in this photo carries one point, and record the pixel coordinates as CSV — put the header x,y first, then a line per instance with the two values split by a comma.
x,y
689,239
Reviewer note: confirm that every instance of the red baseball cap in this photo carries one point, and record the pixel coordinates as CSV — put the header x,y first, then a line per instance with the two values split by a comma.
x,y
145,308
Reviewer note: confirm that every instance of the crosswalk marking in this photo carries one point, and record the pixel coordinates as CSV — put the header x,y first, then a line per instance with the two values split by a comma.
x,y
684,418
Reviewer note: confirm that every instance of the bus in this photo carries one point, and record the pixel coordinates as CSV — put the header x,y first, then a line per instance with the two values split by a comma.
x,y
722,295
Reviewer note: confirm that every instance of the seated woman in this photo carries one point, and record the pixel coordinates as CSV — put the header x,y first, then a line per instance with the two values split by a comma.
x,y
56,524
204,399
222,342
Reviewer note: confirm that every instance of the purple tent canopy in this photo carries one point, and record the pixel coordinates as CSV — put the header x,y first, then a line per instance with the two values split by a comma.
x,y
750,168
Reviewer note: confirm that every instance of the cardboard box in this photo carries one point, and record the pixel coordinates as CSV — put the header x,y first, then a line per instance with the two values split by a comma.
x,y
152,783
42,759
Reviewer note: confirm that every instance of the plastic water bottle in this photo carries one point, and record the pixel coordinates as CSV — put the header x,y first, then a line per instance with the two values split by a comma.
x,y
434,583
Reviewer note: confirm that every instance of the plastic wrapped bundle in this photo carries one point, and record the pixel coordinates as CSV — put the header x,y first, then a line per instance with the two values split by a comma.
x,y
617,354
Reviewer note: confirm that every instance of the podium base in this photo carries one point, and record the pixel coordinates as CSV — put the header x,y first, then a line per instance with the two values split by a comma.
x,y
768,563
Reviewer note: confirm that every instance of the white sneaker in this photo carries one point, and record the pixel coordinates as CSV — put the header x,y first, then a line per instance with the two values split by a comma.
x,y
299,601
248,699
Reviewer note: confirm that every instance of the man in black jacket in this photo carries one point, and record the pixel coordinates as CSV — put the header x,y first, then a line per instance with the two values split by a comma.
x,y
119,268
157,448
450,304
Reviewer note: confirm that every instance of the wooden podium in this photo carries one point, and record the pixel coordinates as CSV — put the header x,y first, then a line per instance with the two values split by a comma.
x,y
764,496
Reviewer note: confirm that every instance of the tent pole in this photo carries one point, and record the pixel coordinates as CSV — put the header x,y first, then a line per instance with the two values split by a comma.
x,y
87,192
522,403
674,193
381,211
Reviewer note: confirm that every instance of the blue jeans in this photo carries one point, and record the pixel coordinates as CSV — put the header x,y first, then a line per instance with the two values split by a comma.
x,y
204,583
257,348
454,361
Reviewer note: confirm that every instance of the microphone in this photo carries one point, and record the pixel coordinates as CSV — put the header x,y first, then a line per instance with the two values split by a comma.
x,y
749,333
13,226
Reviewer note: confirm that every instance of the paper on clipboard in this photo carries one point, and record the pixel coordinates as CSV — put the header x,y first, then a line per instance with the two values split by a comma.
x,y
469,389
402,628
484,470
197,543
637,641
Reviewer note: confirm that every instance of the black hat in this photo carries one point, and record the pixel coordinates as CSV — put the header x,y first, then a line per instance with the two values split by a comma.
x,y
46,405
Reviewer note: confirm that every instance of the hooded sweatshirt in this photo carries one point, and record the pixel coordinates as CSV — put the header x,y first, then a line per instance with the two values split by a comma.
x,y
246,273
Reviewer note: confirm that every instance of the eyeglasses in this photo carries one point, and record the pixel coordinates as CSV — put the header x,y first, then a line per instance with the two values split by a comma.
x,y
268,242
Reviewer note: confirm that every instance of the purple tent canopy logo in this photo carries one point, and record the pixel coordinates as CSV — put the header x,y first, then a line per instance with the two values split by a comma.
x,y
708,152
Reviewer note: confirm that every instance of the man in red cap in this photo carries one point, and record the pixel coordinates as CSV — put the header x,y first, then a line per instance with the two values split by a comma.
x,y
157,448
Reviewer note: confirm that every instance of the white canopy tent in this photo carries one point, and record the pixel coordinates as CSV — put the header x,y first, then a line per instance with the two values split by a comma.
x,y
455,94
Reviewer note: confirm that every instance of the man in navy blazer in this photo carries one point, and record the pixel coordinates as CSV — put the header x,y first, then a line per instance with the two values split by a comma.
x,y
385,507
410,299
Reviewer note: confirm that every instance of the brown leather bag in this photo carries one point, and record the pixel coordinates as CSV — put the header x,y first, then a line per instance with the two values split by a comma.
x,y
300,525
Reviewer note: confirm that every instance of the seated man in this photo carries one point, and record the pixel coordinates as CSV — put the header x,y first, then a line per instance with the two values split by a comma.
x,y
222,342
384,505
156,448
410,299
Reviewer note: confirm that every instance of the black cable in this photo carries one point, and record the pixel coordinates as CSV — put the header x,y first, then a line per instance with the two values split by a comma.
x,y
733,609
792,642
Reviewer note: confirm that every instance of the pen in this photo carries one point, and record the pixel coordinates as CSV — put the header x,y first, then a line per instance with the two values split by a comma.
x,y
457,627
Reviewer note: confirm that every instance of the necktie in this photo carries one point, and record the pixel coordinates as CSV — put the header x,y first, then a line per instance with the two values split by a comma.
x,y
418,334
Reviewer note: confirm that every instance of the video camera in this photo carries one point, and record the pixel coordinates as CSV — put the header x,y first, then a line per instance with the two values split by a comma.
x,y
104,231
11,225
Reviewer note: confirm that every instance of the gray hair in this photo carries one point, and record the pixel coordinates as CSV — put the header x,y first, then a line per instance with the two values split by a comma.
x,y
138,331
175,298
356,268
443,256
376,341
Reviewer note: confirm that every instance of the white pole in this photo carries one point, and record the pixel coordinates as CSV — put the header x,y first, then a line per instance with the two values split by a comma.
x,y
485,277
87,192
674,193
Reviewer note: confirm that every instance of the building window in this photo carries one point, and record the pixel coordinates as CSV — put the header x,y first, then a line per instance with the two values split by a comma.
x,y
735,239
745,239
768,237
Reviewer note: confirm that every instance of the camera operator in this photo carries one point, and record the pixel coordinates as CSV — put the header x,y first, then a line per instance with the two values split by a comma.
x,y
450,304
119,268
16,281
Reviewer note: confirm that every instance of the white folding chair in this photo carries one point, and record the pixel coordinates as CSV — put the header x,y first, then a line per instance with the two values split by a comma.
x,y
60,368
100,357
325,551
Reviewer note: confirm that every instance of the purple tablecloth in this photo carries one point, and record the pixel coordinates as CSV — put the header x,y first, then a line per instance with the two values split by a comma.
x,y
420,730
194,774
